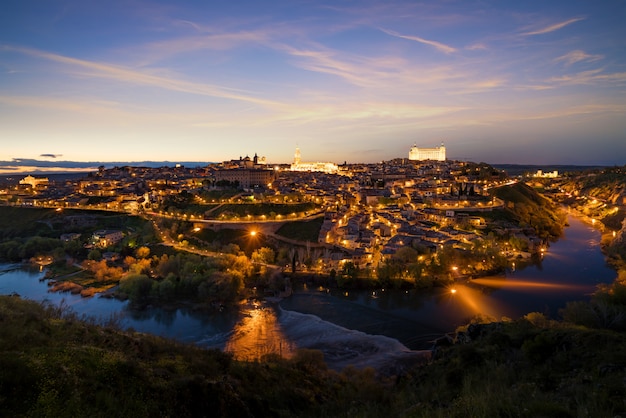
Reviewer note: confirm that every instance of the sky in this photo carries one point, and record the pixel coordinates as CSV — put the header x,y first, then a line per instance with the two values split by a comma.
x,y
515,82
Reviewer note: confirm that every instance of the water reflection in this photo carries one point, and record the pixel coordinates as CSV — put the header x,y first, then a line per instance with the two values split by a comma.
x,y
258,333
522,284
474,302
162,316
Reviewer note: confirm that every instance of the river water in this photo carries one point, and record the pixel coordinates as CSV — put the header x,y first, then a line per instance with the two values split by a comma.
x,y
366,328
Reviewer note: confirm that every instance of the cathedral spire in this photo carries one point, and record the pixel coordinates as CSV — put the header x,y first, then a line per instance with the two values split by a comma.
x,y
296,156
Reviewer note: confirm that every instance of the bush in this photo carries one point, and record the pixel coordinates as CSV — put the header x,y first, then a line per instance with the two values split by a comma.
x,y
579,313
309,360
539,348
137,287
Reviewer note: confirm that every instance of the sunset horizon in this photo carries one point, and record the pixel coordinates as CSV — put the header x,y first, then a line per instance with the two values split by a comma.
x,y
530,83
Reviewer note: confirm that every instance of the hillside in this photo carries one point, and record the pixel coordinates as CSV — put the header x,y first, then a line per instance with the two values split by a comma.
x,y
52,364
599,194
531,210
608,184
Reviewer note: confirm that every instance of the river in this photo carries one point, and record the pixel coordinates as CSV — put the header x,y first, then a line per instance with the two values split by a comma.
x,y
366,328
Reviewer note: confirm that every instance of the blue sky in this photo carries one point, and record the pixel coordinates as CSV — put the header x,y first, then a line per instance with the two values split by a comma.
x,y
359,81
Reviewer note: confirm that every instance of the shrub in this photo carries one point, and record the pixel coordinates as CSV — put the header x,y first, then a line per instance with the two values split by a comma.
x,y
137,287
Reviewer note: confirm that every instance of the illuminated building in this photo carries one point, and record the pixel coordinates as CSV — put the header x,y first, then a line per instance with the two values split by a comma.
x,y
245,177
104,238
552,175
298,165
247,162
35,181
436,154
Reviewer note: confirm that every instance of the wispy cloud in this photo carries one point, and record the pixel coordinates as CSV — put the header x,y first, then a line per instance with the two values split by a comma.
x,y
578,56
128,75
564,112
477,47
359,111
114,114
480,86
326,61
206,41
438,45
588,77
384,73
553,27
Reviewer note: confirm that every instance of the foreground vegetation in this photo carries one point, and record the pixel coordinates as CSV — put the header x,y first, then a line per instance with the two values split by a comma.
x,y
53,364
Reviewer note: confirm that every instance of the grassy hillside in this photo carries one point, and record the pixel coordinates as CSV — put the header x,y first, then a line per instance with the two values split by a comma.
x,y
532,210
17,221
527,368
302,230
52,364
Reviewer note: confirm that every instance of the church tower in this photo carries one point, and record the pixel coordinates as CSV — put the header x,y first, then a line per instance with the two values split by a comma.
x,y
296,156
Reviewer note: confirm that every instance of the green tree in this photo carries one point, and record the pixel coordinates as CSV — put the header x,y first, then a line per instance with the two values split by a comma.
x,y
349,271
95,255
264,255
137,287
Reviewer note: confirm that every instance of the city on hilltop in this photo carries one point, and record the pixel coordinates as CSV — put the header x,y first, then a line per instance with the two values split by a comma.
x,y
366,213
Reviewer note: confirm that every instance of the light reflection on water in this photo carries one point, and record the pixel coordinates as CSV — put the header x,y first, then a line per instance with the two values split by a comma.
x,y
474,302
258,333
522,285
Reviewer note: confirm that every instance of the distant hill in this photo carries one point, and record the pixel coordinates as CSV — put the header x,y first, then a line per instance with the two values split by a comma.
x,y
11,172
514,170
23,167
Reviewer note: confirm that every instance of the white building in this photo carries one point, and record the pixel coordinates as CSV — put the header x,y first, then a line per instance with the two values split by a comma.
x,y
551,175
298,165
418,154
